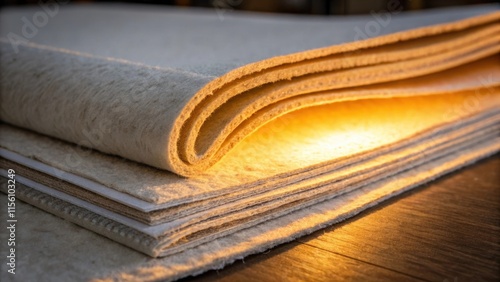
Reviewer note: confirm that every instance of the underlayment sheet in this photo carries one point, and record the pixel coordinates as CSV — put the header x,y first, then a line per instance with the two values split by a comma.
x,y
111,262
194,211
281,124
377,127
178,234
244,167
168,244
168,116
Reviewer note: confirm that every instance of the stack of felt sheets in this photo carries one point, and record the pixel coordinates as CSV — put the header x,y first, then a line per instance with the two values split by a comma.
x,y
200,139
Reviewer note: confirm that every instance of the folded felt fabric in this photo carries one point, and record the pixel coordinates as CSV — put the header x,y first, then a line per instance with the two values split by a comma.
x,y
184,120
304,123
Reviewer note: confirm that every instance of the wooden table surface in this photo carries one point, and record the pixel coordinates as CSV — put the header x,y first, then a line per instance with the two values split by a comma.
x,y
447,230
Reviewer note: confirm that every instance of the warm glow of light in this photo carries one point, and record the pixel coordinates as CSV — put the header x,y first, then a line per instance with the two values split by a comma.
x,y
322,133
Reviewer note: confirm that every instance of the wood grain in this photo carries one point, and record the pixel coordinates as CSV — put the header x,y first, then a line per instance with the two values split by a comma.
x,y
448,230
301,262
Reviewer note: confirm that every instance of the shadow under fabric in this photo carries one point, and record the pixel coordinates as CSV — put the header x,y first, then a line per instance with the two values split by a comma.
x,y
202,141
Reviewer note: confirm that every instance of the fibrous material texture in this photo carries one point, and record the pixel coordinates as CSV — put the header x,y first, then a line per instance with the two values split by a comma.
x,y
201,139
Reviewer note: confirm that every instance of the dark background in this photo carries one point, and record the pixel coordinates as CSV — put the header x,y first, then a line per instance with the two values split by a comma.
x,y
325,7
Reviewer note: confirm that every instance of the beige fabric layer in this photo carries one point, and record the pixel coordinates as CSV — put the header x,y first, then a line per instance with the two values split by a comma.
x,y
245,172
120,263
185,123
277,142
198,222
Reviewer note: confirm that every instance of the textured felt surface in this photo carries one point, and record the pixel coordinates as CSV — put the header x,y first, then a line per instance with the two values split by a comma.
x,y
252,210
197,40
185,122
278,139
113,261
292,139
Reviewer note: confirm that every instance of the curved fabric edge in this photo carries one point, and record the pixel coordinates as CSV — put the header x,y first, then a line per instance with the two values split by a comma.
x,y
156,115
185,159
